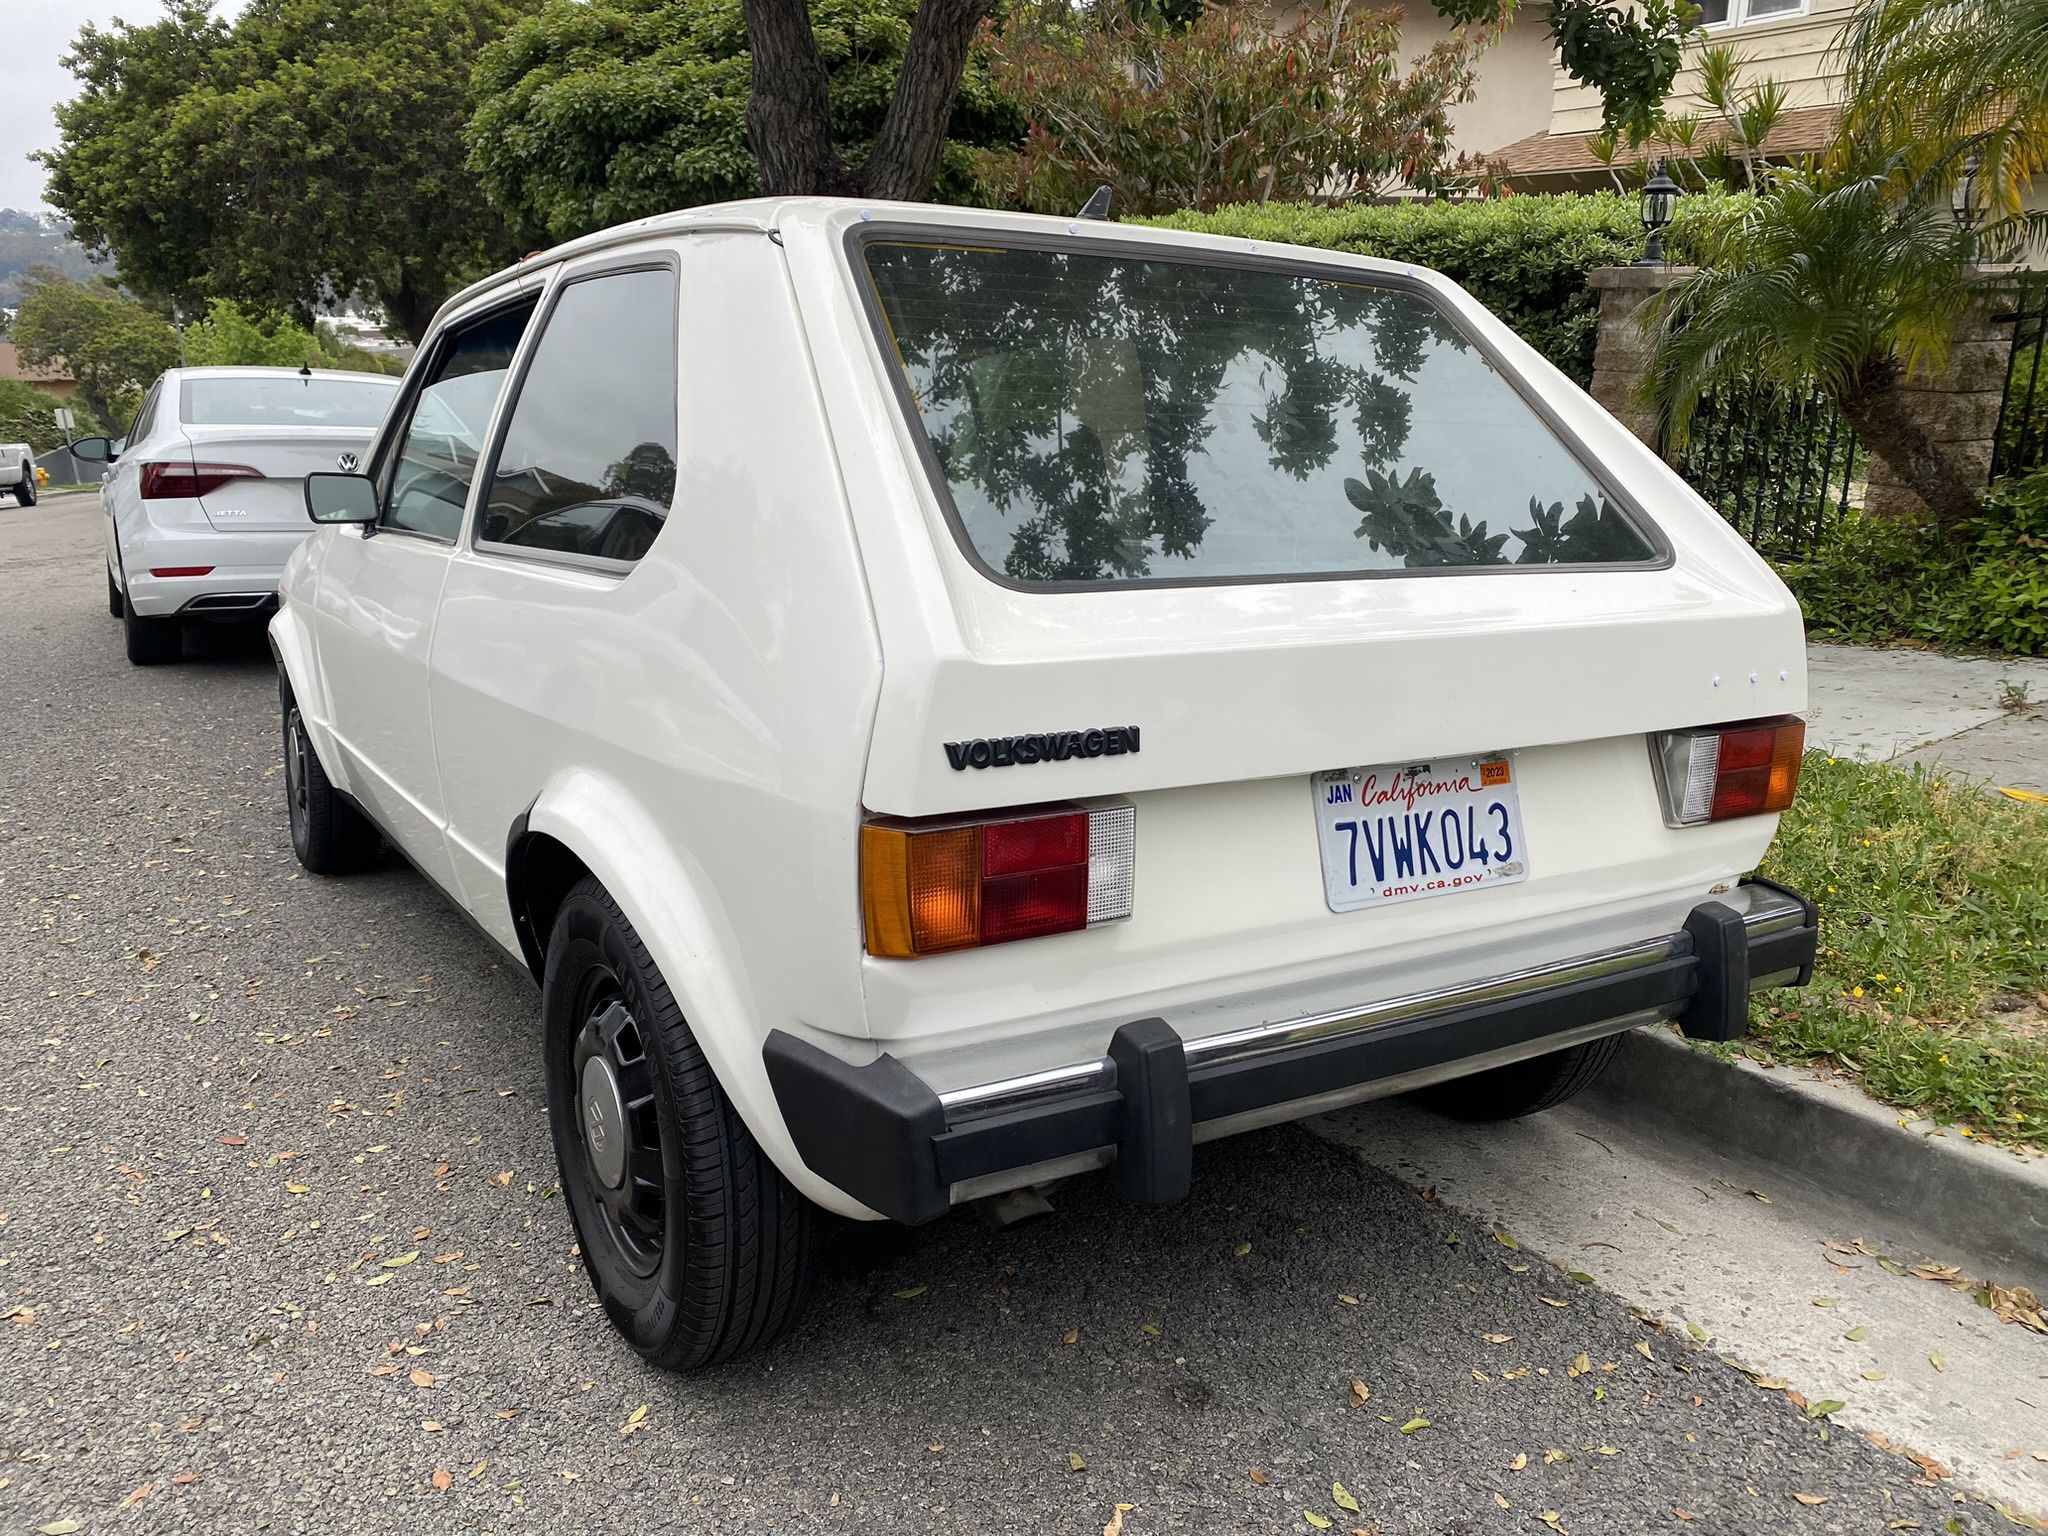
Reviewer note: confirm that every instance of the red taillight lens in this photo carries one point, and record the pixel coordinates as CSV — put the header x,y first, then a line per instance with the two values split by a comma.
x,y
926,890
181,570
162,478
1720,772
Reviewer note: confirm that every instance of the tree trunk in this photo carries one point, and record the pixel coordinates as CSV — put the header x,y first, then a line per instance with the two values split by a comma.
x,y
905,160
789,117
406,307
1888,427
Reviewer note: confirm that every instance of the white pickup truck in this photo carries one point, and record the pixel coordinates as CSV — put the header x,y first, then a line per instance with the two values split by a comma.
x,y
943,700
18,472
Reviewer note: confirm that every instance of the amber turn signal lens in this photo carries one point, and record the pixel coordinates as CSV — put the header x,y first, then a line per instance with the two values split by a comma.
x,y
1720,772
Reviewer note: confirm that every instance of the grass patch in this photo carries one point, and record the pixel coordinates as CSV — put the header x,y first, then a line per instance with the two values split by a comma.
x,y
1934,944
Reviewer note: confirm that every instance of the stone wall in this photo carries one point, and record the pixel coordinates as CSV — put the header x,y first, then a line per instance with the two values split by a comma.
x,y
1959,405
1621,358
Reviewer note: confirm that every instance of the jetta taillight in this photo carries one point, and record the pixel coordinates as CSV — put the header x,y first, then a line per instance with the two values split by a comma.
x,y
1719,772
929,888
163,478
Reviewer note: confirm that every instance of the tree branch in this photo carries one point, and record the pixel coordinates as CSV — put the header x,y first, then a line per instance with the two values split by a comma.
x,y
905,159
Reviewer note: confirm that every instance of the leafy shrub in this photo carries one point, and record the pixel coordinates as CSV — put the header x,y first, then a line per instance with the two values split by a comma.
x,y
29,416
1524,258
1875,580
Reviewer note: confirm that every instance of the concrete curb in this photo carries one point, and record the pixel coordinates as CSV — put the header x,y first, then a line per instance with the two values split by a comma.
x,y
1980,1207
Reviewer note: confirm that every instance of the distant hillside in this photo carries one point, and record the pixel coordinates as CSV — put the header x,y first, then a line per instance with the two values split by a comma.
x,y
36,240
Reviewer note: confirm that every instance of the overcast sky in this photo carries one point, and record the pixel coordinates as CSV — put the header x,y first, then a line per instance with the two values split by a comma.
x,y
39,33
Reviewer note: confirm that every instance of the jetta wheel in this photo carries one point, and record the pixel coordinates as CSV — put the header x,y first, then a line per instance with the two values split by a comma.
x,y
696,1245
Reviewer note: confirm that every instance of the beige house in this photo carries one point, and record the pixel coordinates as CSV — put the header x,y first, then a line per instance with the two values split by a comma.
x,y
50,380
1539,121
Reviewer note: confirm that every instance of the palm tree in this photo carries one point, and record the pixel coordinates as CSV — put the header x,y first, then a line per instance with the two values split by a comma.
x,y
1828,279
1943,80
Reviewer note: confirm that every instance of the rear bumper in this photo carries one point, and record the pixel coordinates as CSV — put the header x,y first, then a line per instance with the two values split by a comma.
x,y
241,579
884,1137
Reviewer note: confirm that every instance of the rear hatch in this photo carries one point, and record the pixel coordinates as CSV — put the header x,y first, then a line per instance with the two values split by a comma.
x,y
1365,610
279,427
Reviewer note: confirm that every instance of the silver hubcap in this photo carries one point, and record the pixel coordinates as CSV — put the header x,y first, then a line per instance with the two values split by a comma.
x,y
603,1109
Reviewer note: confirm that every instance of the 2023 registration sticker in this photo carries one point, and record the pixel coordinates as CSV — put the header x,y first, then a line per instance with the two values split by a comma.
x,y
1403,831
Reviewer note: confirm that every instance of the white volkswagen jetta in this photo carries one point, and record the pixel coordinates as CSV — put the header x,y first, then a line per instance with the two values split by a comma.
x,y
205,496
942,700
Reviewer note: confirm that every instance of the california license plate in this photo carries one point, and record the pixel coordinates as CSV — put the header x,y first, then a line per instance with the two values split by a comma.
x,y
1403,831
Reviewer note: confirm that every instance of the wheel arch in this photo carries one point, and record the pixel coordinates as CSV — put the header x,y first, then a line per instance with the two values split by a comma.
x,y
586,824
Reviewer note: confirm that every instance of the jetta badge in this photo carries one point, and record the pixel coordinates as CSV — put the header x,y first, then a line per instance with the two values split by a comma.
x,y
346,463
1048,747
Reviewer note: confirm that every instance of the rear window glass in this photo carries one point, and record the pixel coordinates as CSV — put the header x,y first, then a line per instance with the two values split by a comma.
x,y
1110,418
284,401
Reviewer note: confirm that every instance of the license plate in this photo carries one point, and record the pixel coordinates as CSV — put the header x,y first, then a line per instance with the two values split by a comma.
x,y
1403,831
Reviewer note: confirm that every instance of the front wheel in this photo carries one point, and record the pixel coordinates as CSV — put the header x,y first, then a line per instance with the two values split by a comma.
x,y
696,1245
329,835
1521,1087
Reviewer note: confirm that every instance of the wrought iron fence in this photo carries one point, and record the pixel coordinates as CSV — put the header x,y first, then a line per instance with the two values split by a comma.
x,y
2021,442
1780,466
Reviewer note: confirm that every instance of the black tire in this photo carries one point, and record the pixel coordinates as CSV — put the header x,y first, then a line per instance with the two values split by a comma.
x,y
329,835
151,642
1521,1087
117,605
25,493
696,1245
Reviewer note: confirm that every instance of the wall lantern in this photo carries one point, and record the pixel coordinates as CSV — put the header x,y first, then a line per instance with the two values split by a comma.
x,y
1962,197
1660,201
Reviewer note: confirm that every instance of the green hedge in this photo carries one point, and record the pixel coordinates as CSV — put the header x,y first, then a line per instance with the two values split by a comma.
x,y
1986,588
1524,258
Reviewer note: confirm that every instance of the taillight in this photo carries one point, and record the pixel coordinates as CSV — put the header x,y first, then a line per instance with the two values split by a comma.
x,y
168,477
1719,772
928,889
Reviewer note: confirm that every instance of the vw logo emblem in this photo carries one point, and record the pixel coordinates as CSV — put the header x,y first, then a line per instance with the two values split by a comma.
x,y
346,463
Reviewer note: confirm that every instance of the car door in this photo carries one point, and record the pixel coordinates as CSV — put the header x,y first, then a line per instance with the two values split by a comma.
x,y
539,624
378,590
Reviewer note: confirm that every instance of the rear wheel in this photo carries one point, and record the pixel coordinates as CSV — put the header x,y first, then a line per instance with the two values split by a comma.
x,y
1521,1087
151,642
696,1245
25,493
329,835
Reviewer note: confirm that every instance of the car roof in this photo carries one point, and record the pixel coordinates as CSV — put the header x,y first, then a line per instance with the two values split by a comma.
x,y
253,372
765,215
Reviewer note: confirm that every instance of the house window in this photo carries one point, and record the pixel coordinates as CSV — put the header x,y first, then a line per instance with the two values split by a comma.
x,y
1737,13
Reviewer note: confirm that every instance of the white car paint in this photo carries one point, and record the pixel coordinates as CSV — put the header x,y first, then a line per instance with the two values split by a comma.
x,y
18,471
706,728
242,531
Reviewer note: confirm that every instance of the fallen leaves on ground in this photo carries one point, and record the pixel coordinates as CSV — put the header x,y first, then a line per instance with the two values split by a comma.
x,y
1075,1462
1413,1425
1811,1498
635,1422
442,1480
1115,1524
1360,1394
1341,1497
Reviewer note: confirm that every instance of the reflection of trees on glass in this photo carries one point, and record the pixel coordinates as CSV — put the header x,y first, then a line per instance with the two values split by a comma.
x,y
648,471
1406,518
1098,417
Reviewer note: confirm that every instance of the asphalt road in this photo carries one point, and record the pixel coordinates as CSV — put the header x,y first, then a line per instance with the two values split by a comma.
x,y
235,1101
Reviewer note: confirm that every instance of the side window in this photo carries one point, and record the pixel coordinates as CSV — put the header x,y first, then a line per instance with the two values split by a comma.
x,y
427,482
588,463
145,417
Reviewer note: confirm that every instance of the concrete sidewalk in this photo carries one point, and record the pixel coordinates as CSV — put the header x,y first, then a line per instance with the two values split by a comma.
x,y
1911,706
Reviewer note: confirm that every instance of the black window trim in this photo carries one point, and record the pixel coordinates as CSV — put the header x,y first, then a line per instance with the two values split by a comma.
x,y
414,385
860,236
603,565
